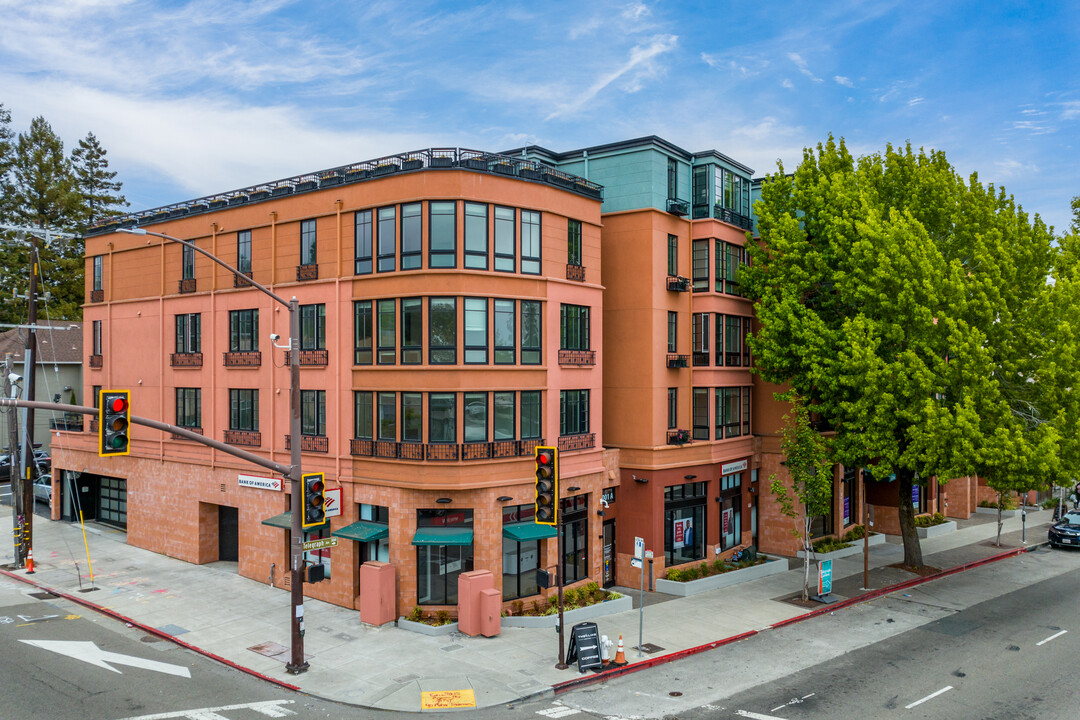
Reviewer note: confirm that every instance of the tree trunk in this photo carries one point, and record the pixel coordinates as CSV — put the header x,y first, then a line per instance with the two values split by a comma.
x,y
807,548
1000,503
905,480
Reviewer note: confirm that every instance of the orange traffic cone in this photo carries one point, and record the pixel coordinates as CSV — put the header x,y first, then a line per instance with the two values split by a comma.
x,y
30,561
620,657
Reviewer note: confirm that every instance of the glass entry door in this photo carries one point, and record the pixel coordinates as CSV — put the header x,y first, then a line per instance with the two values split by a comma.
x,y
609,553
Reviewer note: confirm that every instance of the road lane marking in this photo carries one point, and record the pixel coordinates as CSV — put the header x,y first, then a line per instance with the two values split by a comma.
x,y
931,696
269,708
89,652
558,711
756,716
1055,635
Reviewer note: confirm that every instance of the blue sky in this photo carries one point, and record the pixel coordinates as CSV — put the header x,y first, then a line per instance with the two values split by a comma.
x,y
192,98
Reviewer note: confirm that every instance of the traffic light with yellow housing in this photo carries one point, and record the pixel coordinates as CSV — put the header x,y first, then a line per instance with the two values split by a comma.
x,y
314,499
547,486
114,418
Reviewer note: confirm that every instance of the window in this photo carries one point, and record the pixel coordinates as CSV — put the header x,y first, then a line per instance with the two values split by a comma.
x,y
672,408
412,331
96,330
573,412
187,262
412,417
363,414
718,186
730,510
701,338
308,243
244,410
574,526
96,391
503,416
387,415
362,332
475,420
530,332
362,242
746,410
411,232
313,327
745,345
530,242
387,238
476,330
387,332
442,243
98,260
733,340
573,242
243,330
701,413
320,556
718,345
672,178
735,256
505,332
442,337
701,185
438,566
718,275
442,418
684,523
574,327
189,407
378,550
476,236
243,251
672,331
728,412
701,265
672,254
519,558
188,333
531,425
505,242
312,412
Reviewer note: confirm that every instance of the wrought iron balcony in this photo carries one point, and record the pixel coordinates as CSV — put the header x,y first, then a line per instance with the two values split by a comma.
x,y
96,361
730,216
190,429
310,443
310,357
247,438
679,437
443,452
678,283
187,285
677,361
584,441
186,359
577,357
247,358
307,272
242,280
97,296
575,272
677,206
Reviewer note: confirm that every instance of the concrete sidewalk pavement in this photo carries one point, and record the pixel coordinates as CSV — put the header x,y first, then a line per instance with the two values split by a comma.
x,y
214,610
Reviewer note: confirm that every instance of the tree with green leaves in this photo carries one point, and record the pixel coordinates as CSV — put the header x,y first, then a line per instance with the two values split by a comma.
x,y
7,162
903,304
809,467
94,181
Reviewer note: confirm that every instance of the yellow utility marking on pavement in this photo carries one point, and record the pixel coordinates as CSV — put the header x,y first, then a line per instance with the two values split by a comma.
x,y
447,699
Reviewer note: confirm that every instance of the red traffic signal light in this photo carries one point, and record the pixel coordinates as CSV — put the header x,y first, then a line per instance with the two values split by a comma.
x,y
114,417
547,486
314,499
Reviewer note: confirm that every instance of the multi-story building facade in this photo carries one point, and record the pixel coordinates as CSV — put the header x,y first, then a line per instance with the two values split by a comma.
x,y
451,313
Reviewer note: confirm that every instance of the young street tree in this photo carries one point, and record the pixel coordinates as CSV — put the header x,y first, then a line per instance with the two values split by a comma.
x,y
810,469
901,303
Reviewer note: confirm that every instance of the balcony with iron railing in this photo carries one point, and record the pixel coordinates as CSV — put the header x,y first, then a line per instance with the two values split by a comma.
x,y
675,361
96,362
733,218
678,283
575,272
245,358
247,438
242,280
679,437
310,443
307,272
582,441
97,296
678,206
186,359
193,429
310,358
416,160
187,285
577,357
443,452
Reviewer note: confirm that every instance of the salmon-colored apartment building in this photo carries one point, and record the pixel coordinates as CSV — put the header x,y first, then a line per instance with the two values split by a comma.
x,y
458,309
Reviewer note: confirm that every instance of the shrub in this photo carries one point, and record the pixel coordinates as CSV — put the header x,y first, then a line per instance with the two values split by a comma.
x,y
417,614
704,570
930,520
536,607
442,617
826,545
594,591
517,607
1008,502
675,575
856,533
553,601
570,598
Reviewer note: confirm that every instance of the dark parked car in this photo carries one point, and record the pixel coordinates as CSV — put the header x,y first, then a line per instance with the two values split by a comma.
x,y
41,459
1067,531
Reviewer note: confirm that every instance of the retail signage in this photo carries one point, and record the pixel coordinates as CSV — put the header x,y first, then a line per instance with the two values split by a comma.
x,y
585,646
683,532
728,519
733,467
263,483
320,544
332,502
824,577
639,552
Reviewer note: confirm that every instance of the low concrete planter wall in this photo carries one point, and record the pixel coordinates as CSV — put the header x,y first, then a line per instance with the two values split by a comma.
x,y
935,530
425,629
772,566
855,549
608,607
1004,513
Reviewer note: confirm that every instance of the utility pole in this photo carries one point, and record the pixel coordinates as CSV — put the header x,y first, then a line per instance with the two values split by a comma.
x,y
13,467
27,466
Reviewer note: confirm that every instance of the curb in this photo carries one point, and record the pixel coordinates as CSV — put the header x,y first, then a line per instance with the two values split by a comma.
x,y
568,685
151,630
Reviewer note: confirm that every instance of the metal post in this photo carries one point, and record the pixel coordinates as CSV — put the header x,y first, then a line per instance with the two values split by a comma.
x,y
866,539
641,615
13,467
296,532
28,466
561,665
1023,521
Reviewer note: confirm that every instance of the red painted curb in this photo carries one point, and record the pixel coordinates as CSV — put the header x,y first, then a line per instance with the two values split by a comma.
x,y
568,685
153,631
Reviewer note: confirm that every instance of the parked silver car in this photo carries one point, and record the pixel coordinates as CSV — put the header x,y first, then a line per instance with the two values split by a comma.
x,y
43,488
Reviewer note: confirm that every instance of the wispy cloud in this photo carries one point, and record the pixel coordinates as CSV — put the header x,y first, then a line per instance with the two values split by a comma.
x,y
916,101
845,81
786,83
1009,168
803,67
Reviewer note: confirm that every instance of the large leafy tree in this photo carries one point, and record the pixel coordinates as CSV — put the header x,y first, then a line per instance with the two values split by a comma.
x,y
903,303
7,162
96,184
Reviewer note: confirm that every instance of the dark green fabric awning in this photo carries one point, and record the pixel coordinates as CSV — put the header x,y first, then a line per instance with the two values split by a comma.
x,y
363,531
528,531
284,521
454,535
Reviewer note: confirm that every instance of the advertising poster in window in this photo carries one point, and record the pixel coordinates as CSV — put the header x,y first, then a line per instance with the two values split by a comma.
x,y
728,520
683,533
847,510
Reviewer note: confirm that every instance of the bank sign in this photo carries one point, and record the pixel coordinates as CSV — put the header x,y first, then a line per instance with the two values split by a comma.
x,y
262,483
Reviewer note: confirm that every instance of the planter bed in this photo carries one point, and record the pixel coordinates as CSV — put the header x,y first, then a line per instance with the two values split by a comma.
x,y
1004,513
855,549
772,566
608,607
425,629
935,530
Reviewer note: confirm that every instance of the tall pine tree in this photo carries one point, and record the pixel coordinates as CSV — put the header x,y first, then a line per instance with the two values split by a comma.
x,y
7,162
96,184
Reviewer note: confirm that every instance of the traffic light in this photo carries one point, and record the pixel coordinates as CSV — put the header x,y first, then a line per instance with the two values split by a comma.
x,y
114,417
547,486
314,499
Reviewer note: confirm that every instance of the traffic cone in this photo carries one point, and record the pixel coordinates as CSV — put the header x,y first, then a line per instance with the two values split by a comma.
x,y
30,561
620,657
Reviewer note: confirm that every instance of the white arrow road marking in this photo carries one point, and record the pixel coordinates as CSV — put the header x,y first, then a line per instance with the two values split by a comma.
x,y
756,716
91,653
269,708
25,618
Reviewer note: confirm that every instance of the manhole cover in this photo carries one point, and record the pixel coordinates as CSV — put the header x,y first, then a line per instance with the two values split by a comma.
x,y
43,595
675,693
269,649
649,648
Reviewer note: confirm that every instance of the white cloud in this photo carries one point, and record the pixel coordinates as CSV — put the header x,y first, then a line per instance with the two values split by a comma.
x,y
915,101
845,81
787,84
636,11
1070,109
803,68
1009,168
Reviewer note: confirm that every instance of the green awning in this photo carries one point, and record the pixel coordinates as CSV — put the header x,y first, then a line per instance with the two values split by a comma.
x,y
284,521
363,531
454,535
528,531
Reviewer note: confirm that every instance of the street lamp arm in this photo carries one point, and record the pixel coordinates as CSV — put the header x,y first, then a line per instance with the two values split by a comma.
x,y
219,261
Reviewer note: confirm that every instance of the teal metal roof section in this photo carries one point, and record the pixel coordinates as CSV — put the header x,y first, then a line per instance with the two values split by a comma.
x,y
363,531
458,535
284,521
523,532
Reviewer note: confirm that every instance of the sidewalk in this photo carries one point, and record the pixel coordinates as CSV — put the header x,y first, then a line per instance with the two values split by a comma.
x,y
214,610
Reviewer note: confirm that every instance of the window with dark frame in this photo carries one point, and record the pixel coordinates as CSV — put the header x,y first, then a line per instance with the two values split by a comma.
x,y
308,243
531,416
476,236
475,417
530,333
442,234
243,330
672,331
386,239
574,327
387,416
313,412
673,255
97,272
442,331
187,262
386,324
411,236
412,417
574,526
701,265
730,510
363,415
672,178
733,339
362,242
701,186
700,409
728,412
530,242
573,242
189,407
439,566
442,418
684,522
735,256
672,408
412,331
520,559
363,336
505,331
476,331
573,412
188,333
244,410
95,329
243,251
313,327
503,417
701,337
505,239
718,260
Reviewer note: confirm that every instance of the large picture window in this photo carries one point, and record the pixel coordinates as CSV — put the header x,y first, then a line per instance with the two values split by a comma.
x,y
574,525
574,327
684,523
439,566
189,407
313,327
573,412
188,333
243,330
730,510
520,558
728,412
412,417
244,410
442,337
